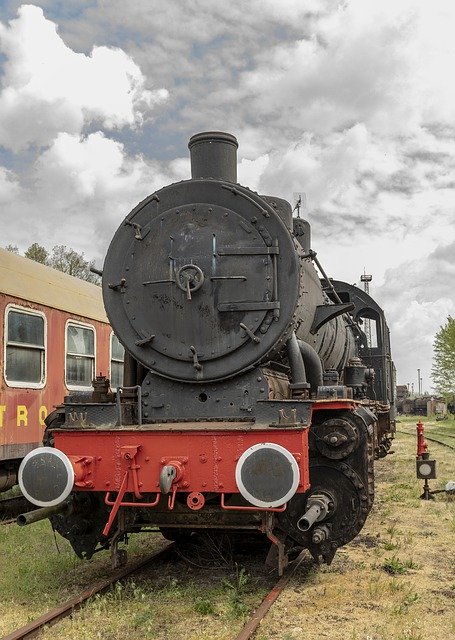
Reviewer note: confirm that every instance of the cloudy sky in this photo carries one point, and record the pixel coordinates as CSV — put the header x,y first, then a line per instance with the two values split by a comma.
x,y
349,102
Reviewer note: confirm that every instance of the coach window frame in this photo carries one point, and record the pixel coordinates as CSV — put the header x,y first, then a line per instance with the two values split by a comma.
x,y
83,325
112,359
21,384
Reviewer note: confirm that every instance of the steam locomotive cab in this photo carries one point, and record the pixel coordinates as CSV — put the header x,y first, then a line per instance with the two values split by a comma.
x,y
245,403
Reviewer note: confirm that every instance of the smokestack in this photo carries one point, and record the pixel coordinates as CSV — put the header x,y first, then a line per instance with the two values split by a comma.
x,y
213,155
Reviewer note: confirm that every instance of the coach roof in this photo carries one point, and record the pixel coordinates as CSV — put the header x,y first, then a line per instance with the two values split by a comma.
x,y
34,282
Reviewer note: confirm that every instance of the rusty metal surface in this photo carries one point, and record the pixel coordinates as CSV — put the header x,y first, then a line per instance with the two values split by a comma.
x,y
257,617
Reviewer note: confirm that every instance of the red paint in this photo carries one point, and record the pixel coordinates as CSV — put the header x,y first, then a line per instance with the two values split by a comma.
x,y
206,460
422,444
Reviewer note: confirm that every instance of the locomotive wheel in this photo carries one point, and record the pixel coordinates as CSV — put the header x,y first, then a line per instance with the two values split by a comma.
x,y
351,507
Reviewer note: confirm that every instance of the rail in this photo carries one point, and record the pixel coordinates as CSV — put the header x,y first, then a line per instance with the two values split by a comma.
x,y
429,438
66,609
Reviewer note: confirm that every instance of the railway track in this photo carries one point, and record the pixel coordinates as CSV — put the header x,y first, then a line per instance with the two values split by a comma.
x,y
52,617
259,614
430,439
66,609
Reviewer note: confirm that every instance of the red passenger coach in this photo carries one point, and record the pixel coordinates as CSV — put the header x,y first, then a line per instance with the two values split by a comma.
x,y
55,339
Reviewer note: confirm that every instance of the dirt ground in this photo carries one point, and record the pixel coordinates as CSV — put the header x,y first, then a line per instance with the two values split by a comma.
x,y
396,580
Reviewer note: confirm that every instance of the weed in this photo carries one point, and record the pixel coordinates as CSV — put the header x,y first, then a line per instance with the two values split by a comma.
x,y
237,588
391,546
395,586
394,566
204,607
406,603
144,619
392,531
375,588
172,588
240,583
410,564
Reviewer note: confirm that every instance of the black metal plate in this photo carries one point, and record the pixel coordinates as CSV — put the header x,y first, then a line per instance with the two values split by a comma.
x,y
248,264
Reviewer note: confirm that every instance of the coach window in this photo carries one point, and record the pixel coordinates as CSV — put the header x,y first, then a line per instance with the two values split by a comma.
x,y
80,355
25,353
117,358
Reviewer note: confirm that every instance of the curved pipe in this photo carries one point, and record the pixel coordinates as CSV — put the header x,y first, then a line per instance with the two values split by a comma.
x,y
312,365
298,374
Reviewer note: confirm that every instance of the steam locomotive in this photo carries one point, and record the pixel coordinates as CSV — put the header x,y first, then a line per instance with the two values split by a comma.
x,y
257,391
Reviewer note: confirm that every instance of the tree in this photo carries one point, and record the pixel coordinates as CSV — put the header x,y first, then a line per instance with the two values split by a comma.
x,y
443,371
73,263
62,259
37,253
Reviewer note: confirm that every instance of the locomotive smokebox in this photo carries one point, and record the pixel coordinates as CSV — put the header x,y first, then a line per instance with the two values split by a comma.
x,y
213,155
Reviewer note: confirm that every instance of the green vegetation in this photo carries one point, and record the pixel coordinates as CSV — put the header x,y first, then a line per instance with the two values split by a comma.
x,y
61,258
394,566
443,371
394,581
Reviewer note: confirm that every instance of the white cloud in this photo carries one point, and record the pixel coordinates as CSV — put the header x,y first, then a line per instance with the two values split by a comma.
x,y
48,88
417,297
9,186
349,102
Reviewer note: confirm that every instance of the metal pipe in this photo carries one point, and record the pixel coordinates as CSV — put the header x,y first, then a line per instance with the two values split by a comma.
x,y
310,517
298,374
313,365
318,508
44,512
213,155
129,370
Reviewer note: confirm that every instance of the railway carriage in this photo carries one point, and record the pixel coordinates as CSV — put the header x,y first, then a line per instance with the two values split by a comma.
x,y
55,337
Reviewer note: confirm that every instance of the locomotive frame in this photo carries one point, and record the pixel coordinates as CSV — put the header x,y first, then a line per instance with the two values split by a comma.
x,y
252,399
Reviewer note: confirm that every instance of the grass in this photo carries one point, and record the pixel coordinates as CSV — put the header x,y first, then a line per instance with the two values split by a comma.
x,y
396,581
155,604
